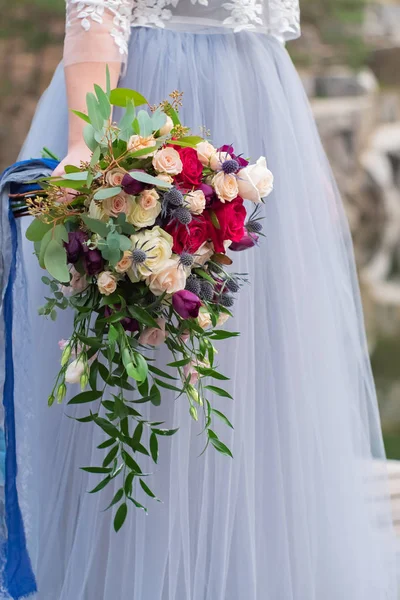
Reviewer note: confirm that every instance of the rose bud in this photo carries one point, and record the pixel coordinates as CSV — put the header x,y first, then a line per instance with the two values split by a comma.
x,y
248,241
209,193
131,186
74,246
186,304
93,262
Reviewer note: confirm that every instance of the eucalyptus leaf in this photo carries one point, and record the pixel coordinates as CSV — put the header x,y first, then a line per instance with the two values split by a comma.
x,y
36,230
77,176
123,96
55,261
88,136
104,102
104,193
96,226
146,178
95,116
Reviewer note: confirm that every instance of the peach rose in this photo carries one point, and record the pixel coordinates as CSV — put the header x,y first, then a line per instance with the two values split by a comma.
x,y
196,202
125,263
121,203
106,283
143,217
203,254
217,159
115,177
151,336
167,160
205,151
170,279
137,142
204,319
168,127
148,199
226,186
255,181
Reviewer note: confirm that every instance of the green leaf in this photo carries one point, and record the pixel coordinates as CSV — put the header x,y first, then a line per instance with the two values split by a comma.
x,y
120,516
104,102
218,445
113,334
106,444
146,178
96,469
137,436
90,341
124,243
155,395
37,230
96,226
167,386
141,315
117,498
88,136
77,176
221,416
145,123
95,157
174,115
94,112
137,504
128,485
206,372
108,81
104,193
55,261
131,463
190,140
223,335
85,397
107,427
110,456
214,220
126,121
160,373
81,115
154,447
165,432
205,275
147,490
180,363
219,391
122,96
101,485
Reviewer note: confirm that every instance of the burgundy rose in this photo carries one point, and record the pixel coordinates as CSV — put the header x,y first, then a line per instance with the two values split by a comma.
x,y
231,217
229,149
190,237
186,304
249,240
75,245
93,262
127,323
131,186
192,171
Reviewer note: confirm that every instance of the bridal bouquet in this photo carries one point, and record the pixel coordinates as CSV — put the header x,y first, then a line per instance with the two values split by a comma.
x,y
135,243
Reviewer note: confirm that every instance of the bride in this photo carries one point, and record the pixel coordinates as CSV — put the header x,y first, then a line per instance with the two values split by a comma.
x,y
298,514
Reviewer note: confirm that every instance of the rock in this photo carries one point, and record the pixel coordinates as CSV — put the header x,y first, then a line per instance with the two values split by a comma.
x,y
342,81
385,62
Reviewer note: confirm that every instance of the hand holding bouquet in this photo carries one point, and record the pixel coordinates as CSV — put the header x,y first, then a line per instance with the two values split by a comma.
x,y
135,243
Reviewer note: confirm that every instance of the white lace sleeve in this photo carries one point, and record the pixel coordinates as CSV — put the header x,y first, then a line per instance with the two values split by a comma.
x,y
97,31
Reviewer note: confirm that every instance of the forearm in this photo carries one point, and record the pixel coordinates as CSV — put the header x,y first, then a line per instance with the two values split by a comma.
x,y
80,78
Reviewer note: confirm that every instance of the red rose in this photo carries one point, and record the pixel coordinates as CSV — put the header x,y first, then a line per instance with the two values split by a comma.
x,y
188,238
192,171
231,217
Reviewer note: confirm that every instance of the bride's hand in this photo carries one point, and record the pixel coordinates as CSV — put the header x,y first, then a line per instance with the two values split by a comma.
x,y
76,154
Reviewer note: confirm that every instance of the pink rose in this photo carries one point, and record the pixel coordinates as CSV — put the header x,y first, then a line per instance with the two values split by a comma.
x,y
121,203
115,177
152,336
148,199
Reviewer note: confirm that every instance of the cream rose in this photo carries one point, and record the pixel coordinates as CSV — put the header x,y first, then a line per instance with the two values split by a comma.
x,y
75,370
217,159
115,177
222,319
205,151
226,186
121,203
166,178
168,127
106,283
148,199
203,254
125,263
96,211
137,142
143,217
152,336
157,243
196,202
204,319
255,181
170,279
167,160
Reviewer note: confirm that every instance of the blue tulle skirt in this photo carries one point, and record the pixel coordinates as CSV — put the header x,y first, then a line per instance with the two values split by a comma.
x,y
301,513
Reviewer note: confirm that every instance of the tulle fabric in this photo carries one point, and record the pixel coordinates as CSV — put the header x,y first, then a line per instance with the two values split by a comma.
x,y
300,513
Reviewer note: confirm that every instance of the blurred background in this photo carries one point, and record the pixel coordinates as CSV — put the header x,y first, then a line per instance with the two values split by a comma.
x,y
349,61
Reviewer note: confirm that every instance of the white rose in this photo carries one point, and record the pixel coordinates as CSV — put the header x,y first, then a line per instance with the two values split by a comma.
x,y
205,151
96,211
196,202
217,159
106,283
226,186
167,160
204,319
143,217
137,142
75,370
168,127
255,181
170,279
158,244
166,178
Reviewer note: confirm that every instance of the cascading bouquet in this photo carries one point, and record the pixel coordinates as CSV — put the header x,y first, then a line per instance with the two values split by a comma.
x,y
135,243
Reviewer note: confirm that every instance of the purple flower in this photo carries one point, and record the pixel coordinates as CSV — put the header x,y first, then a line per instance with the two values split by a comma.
x,y
209,193
131,186
127,323
248,241
186,304
93,261
229,149
75,245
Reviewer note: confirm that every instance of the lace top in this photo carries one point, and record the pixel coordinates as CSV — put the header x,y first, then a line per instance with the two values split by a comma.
x,y
112,20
